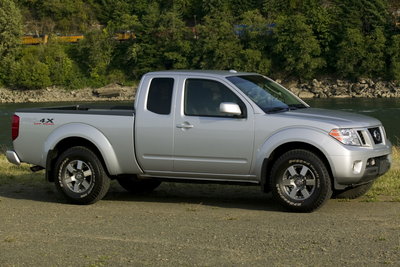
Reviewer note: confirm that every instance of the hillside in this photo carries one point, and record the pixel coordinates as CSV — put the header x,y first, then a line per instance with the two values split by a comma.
x,y
289,39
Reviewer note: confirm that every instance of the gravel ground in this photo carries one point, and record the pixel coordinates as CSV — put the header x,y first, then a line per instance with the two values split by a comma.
x,y
191,225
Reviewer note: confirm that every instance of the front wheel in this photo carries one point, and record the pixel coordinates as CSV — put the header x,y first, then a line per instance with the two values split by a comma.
x,y
300,181
80,176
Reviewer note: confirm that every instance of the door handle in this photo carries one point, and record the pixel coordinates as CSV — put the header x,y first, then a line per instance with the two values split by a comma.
x,y
184,125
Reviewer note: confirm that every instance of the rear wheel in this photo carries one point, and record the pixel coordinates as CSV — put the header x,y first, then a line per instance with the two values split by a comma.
x,y
300,181
352,193
80,176
137,186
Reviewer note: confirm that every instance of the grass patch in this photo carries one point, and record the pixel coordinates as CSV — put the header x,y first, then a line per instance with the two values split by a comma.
x,y
10,173
387,187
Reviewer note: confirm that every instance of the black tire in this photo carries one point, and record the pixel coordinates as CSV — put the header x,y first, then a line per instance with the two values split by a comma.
x,y
300,181
136,186
352,193
80,176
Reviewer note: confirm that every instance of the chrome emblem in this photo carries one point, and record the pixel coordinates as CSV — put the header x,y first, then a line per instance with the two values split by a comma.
x,y
377,135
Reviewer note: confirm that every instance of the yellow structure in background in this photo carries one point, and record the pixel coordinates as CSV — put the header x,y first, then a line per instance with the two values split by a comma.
x,y
68,38
43,39
123,36
34,39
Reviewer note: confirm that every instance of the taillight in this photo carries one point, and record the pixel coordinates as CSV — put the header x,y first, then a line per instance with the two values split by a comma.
x,y
14,127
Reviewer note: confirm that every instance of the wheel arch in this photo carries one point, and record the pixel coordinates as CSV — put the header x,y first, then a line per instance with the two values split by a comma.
x,y
66,137
283,148
65,144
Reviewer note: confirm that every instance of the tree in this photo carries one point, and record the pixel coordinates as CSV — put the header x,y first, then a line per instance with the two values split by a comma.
x,y
360,55
217,47
10,27
321,19
350,51
10,32
360,38
296,48
174,44
373,64
214,6
255,33
144,54
95,55
394,54
275,8
254,30
163,41
365,15
65,16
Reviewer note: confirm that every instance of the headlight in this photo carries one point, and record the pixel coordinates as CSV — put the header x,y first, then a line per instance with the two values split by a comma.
x,y
346,136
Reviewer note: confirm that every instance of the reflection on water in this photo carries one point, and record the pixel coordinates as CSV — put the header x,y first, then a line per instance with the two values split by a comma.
x,y
386,110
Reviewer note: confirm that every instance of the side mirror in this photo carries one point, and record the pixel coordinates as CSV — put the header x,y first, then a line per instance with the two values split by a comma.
x,y
230,108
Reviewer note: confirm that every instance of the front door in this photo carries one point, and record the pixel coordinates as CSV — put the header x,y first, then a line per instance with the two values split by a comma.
x,y
207,142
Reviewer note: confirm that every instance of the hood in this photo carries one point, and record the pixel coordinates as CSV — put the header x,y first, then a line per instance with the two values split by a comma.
x,y
330,118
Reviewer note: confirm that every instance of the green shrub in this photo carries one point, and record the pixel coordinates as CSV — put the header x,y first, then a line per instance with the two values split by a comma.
x,y
253,61
30,73
116,76
59,64
95,55
394,54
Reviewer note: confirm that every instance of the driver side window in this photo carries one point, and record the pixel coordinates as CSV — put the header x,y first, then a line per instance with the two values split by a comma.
x,y
203,98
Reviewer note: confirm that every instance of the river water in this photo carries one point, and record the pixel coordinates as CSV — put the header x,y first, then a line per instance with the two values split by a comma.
x,y
386,110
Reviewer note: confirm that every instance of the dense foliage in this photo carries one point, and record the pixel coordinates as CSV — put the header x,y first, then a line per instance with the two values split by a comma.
x,y
299,39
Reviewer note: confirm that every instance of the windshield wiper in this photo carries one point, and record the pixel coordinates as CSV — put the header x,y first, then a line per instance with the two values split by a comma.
x,y
277,109
296,106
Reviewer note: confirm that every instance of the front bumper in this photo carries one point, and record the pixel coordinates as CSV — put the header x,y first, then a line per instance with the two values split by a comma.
x,y
381,166
12,157
362,166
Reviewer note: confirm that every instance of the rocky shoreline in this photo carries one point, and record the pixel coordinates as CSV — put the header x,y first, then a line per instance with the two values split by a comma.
x,y
328,88
325,88
112,92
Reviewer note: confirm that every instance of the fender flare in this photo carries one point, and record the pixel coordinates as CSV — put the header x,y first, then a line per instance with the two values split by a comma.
x,y
310,136
89,133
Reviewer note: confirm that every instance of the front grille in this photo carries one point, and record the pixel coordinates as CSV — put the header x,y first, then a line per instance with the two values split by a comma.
x,y
360,134
376,135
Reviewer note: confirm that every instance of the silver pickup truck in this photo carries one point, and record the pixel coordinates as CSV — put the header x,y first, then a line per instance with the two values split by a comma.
x,y
205,126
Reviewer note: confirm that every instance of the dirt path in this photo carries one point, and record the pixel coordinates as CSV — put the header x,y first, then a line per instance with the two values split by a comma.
x,y
191,225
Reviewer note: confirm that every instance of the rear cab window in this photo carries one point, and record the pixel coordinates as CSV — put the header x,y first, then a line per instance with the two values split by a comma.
x,y
159,99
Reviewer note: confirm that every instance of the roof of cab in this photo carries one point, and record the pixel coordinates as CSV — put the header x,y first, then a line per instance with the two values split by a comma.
x,y
223,73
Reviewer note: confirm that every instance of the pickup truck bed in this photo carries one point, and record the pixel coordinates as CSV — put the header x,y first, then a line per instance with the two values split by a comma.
x,y
85,109
42,128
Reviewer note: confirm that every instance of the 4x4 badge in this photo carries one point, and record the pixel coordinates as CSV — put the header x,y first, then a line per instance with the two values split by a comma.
x,y
45,121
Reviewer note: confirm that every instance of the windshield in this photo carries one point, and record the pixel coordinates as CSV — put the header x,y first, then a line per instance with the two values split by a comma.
x,y
268,95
